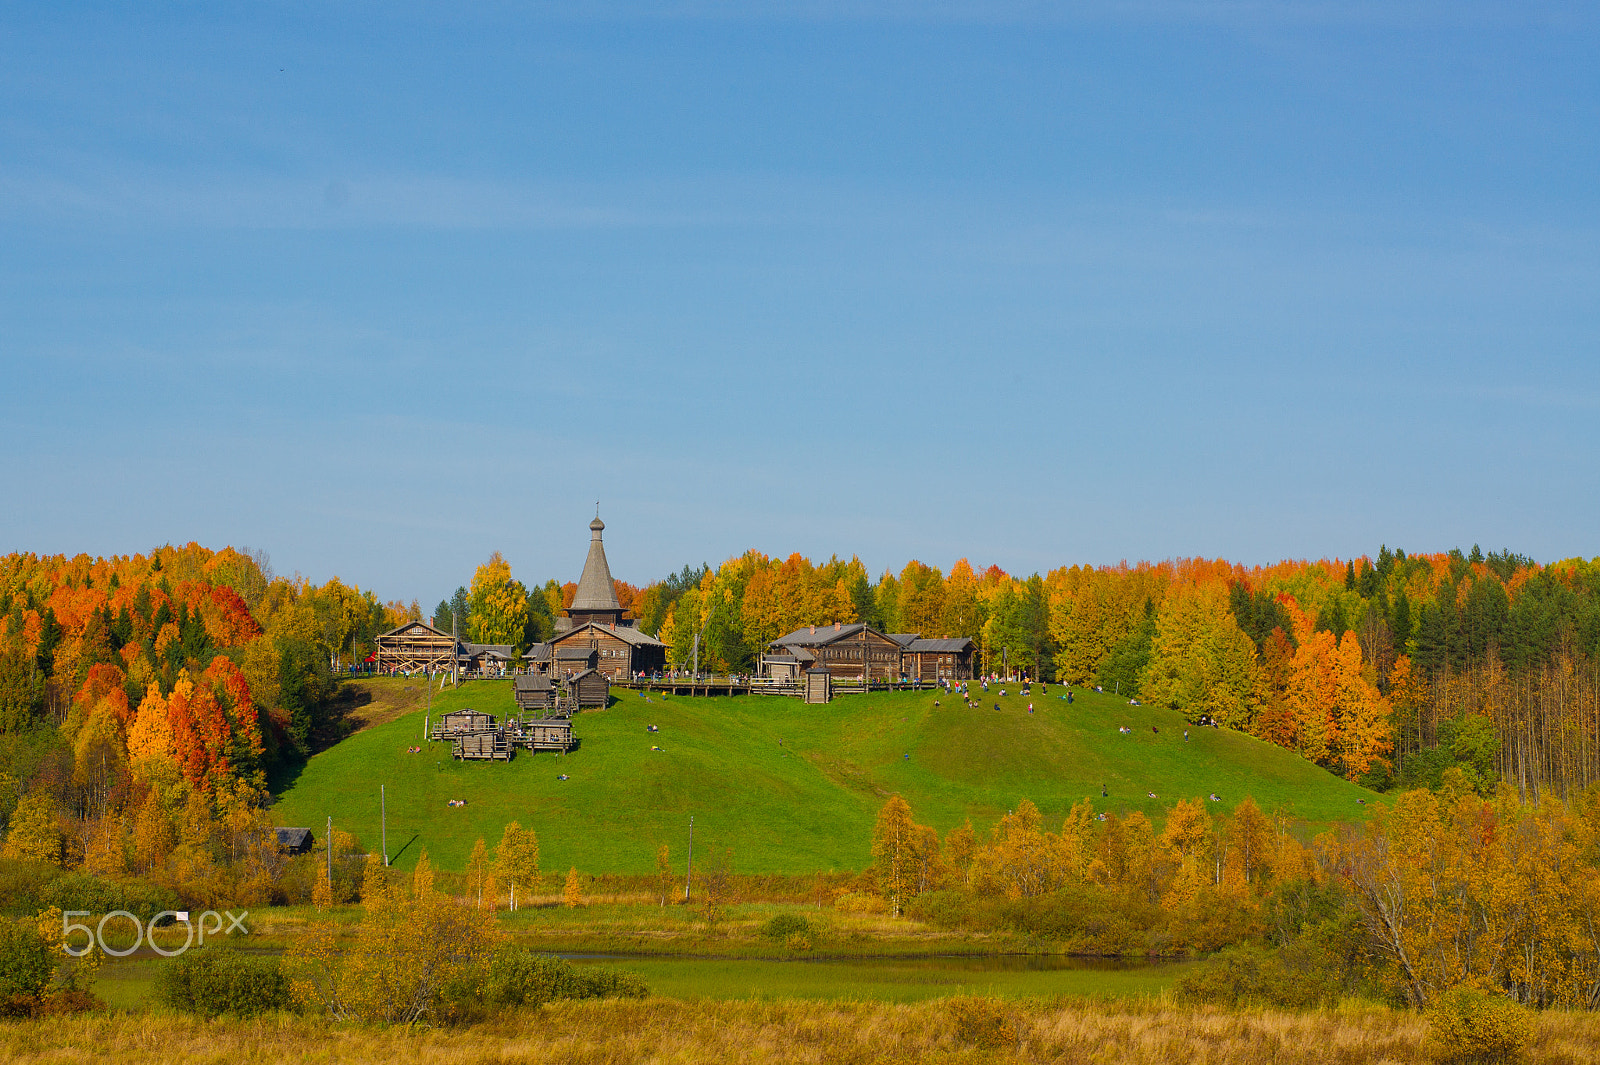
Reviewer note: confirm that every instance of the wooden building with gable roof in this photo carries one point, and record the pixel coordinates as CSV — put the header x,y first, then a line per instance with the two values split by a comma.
x,y
854,651
942,659
592,633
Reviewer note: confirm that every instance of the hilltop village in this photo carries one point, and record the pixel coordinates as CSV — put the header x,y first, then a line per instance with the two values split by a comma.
x,y
596,644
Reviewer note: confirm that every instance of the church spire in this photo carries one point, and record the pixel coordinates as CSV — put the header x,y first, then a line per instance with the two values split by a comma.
x,y
596,594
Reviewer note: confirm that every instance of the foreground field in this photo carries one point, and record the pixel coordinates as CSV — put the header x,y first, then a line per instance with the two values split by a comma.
x,y
663,1030
790,788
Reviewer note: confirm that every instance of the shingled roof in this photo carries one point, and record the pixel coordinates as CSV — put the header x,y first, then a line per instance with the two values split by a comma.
x,y
626,633
948,646
596,592
818,635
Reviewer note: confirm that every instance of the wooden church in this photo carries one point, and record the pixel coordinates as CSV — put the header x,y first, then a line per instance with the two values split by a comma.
x,y
592,634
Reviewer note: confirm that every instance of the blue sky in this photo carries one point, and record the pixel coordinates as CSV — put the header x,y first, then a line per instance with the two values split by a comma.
x,y
381,289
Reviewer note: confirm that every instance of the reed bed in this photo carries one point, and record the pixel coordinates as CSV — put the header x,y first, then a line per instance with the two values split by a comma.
x,y
682,1033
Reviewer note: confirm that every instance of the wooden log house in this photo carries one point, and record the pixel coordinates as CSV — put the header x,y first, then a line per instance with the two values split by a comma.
x,y
936,660
592,688
486,659
534,692
854,652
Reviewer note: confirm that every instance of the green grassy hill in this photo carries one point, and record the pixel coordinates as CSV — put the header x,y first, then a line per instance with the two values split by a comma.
x,y
791,788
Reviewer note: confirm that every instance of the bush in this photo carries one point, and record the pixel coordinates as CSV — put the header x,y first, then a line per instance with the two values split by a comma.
x,y
518,977
81,891
25,968
1250,976
783,925
220,980
860,902
23,885
1466,1025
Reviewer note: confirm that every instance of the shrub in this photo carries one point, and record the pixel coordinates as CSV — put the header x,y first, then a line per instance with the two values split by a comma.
x,y
23,884
798,941
982,1023
221,980
82,891
25,967
519,977
1466,1025
1251,976
860,902
784,925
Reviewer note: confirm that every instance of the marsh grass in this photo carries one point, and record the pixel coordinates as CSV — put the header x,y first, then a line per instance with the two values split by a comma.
x,y
662,1030
627,927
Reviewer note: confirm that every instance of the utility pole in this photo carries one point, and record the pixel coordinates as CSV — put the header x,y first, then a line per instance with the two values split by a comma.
x,y
688,875
330,850
696,658
383,814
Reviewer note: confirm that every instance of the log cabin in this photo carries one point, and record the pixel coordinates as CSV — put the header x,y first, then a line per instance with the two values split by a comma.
x,y
848,652
935,660
486,659
592,688
534,692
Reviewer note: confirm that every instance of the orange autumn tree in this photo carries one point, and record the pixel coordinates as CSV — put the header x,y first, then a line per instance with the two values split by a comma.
x,y
1365,737
212,725
1339,718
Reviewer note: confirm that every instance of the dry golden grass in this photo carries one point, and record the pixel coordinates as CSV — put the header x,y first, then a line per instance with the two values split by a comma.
x,y
661,1030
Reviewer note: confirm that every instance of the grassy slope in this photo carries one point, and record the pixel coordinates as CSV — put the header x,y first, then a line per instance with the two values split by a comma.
x,y
803,806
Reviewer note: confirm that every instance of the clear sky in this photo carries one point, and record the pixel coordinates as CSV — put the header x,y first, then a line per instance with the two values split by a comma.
x,y
381,289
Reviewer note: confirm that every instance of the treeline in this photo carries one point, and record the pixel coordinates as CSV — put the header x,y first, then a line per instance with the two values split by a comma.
x,y
1445,889
1388,669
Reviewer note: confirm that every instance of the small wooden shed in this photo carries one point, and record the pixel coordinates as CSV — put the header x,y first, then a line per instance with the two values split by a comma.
x,y
294,840
592,687
484,746
462,722
534,691
819,685
548,734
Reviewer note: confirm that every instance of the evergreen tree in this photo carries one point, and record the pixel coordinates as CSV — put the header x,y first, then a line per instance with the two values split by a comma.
x,y
1400,621
1120,670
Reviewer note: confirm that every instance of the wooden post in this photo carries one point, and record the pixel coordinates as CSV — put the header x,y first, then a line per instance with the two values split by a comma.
x,y
383,813
688,875
330,852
